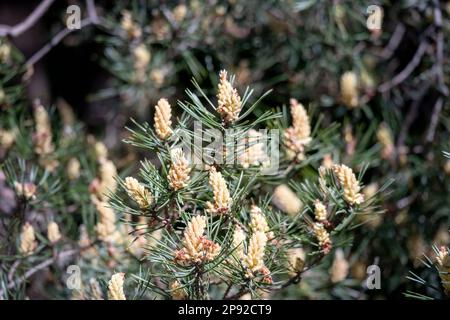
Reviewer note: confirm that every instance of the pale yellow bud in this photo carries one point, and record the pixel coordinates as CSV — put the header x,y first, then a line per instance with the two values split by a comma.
x,y
327,161
258,221
254,154
323,237
229,102
320,211
340,267
27,239
157,76
179,12
349,183
384,137
179,170
87,249
115,287
66,112
222,199
129,26
254,260
298,135
26,190
108,183
300,121
370,190
194,231
7,138
5,52
322,181
43,136
443,258
106,225
349,89
447,167
138,192
162,122
84,240
141,57
372,220
73,169
53,233
286,200
197,249
101,152
339,11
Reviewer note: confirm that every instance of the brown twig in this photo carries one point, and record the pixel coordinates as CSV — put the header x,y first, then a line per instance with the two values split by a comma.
x,y
394,42
199,287
292,280
92,19
13,270
92,12
44,264
434,119
227,291
53,42
29,21
400,77
39,267
439,49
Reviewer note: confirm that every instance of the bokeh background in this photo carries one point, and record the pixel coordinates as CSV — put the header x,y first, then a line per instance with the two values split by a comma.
x,y
399,125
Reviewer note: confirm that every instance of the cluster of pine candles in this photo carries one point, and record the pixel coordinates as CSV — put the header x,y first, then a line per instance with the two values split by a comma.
x,y
240,256
219,243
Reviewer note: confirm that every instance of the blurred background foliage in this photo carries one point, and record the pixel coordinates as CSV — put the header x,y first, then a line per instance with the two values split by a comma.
x,y
131,53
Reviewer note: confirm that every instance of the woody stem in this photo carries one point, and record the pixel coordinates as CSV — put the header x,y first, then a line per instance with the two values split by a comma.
x,y
199,288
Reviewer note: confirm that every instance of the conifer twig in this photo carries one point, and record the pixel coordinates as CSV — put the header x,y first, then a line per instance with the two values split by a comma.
x,y
92,18
400,77
411,66
394,42
54,42
29,21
